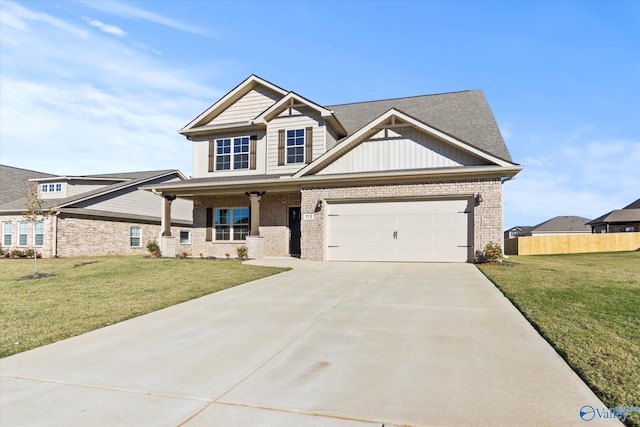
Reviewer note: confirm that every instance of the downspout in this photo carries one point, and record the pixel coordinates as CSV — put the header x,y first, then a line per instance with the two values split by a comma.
x,y
54,243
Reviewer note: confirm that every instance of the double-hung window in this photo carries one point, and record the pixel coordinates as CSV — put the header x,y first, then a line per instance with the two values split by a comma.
x,y
295,146
6,233
135,237
39,231
232,223
223,154
232,153
22,233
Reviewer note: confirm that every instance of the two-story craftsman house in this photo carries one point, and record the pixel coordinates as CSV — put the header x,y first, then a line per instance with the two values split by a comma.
x,y
407,179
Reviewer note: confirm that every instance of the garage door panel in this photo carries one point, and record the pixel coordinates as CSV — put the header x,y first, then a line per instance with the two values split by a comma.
x,y
419,231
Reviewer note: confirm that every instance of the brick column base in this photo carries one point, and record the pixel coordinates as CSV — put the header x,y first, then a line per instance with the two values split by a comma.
x,y
168,246
255,246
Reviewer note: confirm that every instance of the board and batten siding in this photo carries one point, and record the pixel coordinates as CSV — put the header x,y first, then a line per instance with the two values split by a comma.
x,y
297,120
134,201
201,155
248,107
403,149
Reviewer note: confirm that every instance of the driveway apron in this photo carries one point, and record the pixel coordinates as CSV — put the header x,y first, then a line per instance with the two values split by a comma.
x,y
325,344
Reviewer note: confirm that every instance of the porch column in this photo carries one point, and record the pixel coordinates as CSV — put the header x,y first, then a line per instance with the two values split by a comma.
x,y
254,197
166,215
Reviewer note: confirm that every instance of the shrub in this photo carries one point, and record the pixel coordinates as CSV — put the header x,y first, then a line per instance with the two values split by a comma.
x,y
492,252
154,248
242,252
29,254
17,253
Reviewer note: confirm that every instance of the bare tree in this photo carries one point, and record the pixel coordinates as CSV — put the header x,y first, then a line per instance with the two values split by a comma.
x,y
35,212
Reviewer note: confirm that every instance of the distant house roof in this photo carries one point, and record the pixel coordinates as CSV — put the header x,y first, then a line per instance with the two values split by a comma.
x,y
562,224
630,213
126,179
633,205
13,183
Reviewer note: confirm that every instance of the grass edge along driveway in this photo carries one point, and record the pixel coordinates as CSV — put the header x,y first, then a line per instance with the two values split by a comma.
x,y
587,306
84,294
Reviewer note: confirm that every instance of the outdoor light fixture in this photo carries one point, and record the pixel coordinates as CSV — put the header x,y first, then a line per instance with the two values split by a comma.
x,y
478,199
318,206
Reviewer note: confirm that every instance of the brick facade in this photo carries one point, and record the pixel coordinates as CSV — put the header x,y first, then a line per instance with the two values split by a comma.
x,y
89,236
487,216
274,229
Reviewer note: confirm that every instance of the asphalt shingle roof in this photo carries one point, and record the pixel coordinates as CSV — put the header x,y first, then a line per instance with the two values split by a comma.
x,y
13,183
464,115
561,224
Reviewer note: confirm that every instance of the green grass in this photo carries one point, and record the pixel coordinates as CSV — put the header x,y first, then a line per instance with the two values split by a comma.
x,y
89,293
587,306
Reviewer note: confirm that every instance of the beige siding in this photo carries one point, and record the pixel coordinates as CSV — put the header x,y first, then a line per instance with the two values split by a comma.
x,y
78,187
297,120
402,149
248,107
331,138
201,155
139,202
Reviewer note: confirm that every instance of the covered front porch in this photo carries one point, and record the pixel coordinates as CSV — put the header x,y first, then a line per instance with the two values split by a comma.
x,y
265,220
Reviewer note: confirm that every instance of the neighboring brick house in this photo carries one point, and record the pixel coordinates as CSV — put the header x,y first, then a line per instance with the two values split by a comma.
x,y
623,220
92,215
407,179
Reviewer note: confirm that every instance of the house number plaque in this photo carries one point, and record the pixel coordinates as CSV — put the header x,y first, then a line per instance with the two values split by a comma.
x,y
307,216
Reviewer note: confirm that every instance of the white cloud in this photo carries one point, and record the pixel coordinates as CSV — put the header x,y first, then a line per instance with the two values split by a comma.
x,y
132,12
93,105
16,16
587,180
110,29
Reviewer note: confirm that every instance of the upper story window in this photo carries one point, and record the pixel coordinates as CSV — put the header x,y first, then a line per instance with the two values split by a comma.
x,y
295,146
232,153
51,188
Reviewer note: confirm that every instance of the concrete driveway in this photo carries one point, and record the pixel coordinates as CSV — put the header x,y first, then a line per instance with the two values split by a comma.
x,y
326,344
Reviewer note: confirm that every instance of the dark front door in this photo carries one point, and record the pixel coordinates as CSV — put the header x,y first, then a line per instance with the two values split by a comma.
x,y
294,228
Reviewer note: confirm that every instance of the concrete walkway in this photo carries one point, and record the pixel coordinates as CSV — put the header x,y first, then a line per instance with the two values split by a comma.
x,y
326,344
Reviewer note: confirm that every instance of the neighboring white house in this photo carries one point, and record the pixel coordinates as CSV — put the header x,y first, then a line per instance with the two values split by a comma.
x,y
92,215
407,179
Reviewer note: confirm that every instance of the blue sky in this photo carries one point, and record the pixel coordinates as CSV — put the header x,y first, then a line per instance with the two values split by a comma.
x,y
98,86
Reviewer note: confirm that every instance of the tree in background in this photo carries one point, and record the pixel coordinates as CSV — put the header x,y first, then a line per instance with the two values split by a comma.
x,y
35,212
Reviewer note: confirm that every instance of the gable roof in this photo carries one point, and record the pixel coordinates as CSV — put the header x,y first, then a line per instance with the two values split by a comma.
x,y
232,96
392,115
629,213
633,205
293,100
464,115
126,179
563,224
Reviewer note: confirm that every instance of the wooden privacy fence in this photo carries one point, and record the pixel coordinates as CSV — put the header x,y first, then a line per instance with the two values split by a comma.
x,y
572,244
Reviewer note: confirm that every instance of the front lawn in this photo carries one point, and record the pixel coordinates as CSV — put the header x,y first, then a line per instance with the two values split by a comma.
x,y
588,307
89,293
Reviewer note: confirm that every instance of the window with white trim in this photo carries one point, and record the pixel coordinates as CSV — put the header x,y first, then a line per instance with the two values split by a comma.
x,y
51,188
135,237
185,237
295,146
232,153
22,233
39,233
6,233
232,223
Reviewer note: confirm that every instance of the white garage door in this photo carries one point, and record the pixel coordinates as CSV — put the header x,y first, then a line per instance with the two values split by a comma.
x,y
416,231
